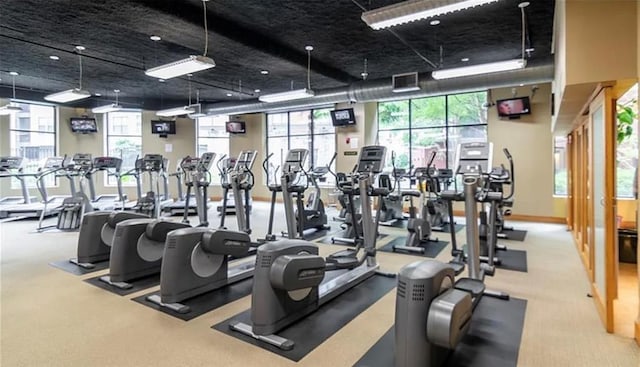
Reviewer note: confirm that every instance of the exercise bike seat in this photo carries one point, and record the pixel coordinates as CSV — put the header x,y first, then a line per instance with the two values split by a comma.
x,y
276,188
473,286
414,193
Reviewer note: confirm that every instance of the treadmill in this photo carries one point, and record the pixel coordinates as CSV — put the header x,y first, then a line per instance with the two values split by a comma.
x,y
11,167
48,206
186,168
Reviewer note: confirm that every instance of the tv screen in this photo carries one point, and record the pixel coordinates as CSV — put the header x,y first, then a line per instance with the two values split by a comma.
x,y
343,117
163,127
513,107
83,125
236,127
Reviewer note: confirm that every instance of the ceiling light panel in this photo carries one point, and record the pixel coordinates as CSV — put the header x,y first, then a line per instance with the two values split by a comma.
x,y
413,10
492,67
186,66
68,96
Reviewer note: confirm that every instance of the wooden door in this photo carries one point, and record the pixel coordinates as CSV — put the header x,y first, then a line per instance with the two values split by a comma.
x,y
602,200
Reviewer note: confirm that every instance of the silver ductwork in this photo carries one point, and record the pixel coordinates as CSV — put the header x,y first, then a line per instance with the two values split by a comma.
x,y
381,89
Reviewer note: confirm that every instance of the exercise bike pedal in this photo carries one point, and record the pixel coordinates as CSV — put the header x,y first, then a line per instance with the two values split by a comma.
x,y
506,213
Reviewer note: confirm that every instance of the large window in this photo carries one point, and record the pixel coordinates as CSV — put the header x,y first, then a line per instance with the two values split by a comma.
x,y
308,129
33,137
124,140
413,129
213,137
560,166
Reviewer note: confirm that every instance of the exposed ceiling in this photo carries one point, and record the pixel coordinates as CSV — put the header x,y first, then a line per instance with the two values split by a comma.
x,y
245,37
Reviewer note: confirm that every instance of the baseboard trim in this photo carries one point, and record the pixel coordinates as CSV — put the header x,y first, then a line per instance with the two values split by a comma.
x,y
526,218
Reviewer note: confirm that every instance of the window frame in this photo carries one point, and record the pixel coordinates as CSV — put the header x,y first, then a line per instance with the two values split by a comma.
x,y
329,182
215,175
107,135
13,185
447,126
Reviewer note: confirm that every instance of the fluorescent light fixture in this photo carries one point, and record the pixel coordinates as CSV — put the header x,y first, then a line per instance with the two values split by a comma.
x,y
189,65
176,111
287,96
492,67
9,109
68,95
412,10
107,108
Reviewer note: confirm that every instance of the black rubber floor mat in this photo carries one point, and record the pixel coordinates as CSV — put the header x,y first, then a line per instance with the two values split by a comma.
x,y
137,285
74,269
493,339
514,235
431,249
203,303
515,260
446,229
328,239
323,323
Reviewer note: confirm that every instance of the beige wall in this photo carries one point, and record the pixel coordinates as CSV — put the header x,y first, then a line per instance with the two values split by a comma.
x,y
601,32
530,141
182,144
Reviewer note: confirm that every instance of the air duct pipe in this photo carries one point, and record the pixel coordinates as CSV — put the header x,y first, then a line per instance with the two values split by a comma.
x,y
381,89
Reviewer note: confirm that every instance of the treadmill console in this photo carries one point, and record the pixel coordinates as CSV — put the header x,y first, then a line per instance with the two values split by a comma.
x,y
153,162
7,163
296,158
189,163
371,159
81,161
206,161
103,163
474,158
54,162
245,160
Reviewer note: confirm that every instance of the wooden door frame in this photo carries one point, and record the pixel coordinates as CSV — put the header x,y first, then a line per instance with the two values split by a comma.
x,y
604,302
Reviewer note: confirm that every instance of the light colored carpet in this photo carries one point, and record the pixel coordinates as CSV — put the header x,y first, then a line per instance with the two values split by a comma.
x,y
52,318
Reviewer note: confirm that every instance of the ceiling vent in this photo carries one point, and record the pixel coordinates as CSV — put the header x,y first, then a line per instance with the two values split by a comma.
x,y
405,82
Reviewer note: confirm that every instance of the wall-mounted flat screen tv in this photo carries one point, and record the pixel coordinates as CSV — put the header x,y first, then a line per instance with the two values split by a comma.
x,y
343,117
236,127
83,125
513,107
163,128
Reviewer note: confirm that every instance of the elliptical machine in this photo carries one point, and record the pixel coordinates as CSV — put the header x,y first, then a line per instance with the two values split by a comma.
x,y
429,298
149,204
294,182
198,178
242,182
391,206
352,220
274,188
438,212
290,282
419,227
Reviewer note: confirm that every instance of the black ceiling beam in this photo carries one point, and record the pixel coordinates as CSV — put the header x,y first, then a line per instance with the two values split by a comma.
x,y
246,36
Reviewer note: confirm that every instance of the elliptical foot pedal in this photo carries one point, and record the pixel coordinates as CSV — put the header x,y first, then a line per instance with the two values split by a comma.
x,y
120,285
457,267
473,286
177,307
82,265
275,340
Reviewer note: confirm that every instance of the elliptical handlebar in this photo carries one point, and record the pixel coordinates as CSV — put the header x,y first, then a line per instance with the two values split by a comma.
x,y
512,186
